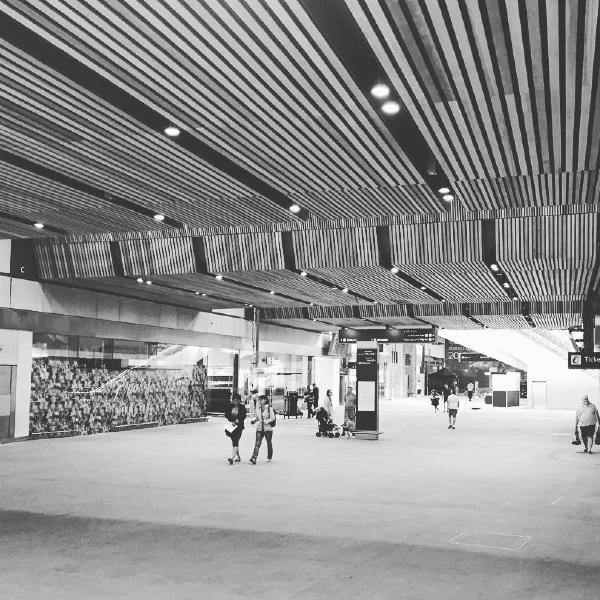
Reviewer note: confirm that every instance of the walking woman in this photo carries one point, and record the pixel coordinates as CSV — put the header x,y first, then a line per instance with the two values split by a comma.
x,y
328,403
265,421
236,415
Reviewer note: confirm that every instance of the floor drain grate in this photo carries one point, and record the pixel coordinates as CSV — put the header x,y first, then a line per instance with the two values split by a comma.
x,y
484,539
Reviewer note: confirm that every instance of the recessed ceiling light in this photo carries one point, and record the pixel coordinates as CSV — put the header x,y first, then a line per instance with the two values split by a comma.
x,y
140,280
390,107
330,332
375,302
314,319
506,285
448,197
172,131
295,208
204,293
272,292
148,282
38,225
345,291
250,305
394,270
245,304
515,298
380,90
219,277
159,217
197,293
423,288
303,274
444,190
494,267
312,304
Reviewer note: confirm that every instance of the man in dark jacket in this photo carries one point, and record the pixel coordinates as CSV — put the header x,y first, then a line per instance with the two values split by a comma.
x,y
315,395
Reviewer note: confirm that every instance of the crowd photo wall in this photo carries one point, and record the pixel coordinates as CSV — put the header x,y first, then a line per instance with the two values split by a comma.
x,y
109,392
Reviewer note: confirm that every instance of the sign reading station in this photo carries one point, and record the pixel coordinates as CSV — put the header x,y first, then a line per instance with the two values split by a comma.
x,y
579,360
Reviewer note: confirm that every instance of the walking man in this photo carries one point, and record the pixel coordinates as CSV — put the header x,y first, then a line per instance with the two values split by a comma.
x,y
470,389
453,404
586,419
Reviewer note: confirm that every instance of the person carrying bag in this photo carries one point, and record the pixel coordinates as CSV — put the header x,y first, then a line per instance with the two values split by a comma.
x,y
265,420
235,415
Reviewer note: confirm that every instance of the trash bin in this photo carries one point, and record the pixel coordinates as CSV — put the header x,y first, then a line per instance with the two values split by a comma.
x,y
291,405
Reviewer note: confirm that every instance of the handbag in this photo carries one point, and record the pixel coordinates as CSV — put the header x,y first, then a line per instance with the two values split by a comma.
x,y
576,440
230,428
273,421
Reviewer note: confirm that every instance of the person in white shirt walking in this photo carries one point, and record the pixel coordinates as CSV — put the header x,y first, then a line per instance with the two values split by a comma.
x,y
265,421
470,389
453,404
586,419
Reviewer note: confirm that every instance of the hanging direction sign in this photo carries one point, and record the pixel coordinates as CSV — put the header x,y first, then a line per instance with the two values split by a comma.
x,y
414,335
579,360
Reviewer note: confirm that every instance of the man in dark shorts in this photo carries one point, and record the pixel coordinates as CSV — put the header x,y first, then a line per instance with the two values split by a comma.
x,y
453,404
470,389
586,419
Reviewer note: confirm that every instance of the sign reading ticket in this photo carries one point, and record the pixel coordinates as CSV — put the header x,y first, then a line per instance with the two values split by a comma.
x,y
578,360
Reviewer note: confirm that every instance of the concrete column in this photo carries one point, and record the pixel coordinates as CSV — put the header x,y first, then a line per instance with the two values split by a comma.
x,y
16,350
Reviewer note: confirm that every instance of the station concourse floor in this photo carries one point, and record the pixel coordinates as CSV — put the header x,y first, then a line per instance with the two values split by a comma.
x,y
501,507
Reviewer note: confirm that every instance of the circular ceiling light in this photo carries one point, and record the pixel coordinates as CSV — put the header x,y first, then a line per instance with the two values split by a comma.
x,y
250,305
197,293
38,225
390,107
159,217
375,301
148,282
295,208
314,319
345,291
272,292
303,274
448,197
311,304
394,270
514,298
140,280
172,131
380,91
204,293
506,285
444,190
494,267
423,288
219,277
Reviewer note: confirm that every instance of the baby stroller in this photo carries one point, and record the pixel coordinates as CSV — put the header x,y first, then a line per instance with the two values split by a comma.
x,y
327,428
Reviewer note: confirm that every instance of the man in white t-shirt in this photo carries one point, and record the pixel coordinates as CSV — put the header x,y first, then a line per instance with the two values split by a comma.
x,y
453,404
470,389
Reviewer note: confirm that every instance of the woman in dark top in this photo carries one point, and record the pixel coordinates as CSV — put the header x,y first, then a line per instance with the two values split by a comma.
x,y
236,415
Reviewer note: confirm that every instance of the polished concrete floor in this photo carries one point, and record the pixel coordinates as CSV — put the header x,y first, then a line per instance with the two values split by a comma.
x,y
501,507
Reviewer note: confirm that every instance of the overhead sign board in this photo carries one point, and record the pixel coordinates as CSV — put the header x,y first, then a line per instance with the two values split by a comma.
x,y
414,335
579,360
464,354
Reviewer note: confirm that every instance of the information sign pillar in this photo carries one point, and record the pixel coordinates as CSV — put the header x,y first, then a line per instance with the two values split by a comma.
x,y
367,397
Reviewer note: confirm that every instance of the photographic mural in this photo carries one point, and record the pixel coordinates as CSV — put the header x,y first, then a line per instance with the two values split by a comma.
x,y
86,396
